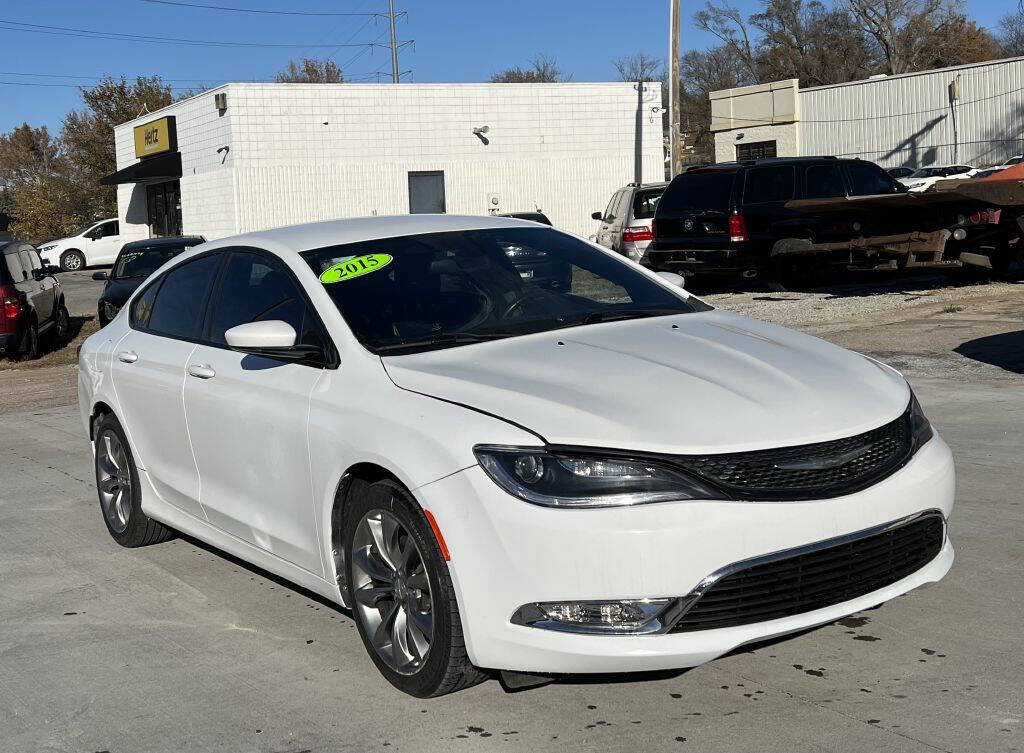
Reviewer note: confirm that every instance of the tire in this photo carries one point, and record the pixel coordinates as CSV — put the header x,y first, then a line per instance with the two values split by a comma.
x,y
444,666
72,260
29,350
61,323
116,474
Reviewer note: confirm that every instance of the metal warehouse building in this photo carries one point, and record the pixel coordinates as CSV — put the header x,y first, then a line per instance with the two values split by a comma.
x,y
246,156
970,114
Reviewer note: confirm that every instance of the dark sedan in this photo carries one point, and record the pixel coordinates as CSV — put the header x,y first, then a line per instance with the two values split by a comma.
x,y
135,262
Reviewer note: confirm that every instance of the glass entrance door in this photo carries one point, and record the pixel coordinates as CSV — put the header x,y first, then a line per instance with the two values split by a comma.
x,y
163,204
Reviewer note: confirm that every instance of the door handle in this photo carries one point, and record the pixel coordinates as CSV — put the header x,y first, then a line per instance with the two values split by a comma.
x,y
127,356
201,371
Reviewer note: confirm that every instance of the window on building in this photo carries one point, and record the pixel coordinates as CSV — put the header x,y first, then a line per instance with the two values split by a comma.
x,y
824,182
765,184
755,150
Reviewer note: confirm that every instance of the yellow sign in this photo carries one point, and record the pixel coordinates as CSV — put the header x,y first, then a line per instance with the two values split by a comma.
x,y
155,137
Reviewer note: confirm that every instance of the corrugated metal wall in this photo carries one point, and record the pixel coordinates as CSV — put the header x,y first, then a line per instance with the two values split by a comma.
x,y
908,120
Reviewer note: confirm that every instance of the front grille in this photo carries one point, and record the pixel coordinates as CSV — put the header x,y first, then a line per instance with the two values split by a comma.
x,y
817,579
810,471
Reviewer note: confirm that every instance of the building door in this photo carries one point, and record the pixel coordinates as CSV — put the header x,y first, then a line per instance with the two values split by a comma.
x,y
426,192
163,204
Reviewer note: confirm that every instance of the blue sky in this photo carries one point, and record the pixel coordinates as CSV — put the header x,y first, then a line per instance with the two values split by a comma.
x,y
455,40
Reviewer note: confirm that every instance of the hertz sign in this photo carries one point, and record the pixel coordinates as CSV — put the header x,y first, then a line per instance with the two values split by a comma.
x,y
155,137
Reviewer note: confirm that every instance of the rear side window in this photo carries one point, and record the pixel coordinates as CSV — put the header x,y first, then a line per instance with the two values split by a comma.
x,y
645,203
255,288
766,184
180,301
824,182
14,267
698,191
869,180
142,306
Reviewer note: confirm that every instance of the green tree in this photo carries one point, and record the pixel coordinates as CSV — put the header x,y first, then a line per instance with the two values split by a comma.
x,y
87,137
32,183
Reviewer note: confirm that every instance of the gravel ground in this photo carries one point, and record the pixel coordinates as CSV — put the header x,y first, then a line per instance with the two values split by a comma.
x,y
850,302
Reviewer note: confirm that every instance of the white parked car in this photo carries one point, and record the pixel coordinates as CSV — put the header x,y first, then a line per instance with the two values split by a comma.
x,y
495,475
97,244
925,177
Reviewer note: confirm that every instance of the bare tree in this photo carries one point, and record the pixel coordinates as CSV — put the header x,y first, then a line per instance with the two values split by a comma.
x,y
730,27
901,29
702,72
311,71
1011,34
640,67
542,70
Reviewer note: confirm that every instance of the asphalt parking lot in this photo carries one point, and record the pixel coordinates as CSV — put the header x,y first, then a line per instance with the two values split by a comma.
x,y
179,647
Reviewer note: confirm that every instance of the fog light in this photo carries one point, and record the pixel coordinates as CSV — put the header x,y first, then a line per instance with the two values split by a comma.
x,y
618,616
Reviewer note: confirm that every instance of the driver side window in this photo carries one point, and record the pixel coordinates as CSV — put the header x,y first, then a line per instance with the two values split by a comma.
x,y
256,288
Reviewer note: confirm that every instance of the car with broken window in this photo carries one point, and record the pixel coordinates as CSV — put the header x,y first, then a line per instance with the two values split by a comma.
x,y
384,411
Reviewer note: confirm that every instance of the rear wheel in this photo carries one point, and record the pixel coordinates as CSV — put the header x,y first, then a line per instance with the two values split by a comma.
x,y
71,261
61,323
117,483
402,595
29,350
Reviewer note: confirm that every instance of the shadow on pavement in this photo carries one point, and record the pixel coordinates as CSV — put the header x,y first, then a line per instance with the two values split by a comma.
x,y
1005,350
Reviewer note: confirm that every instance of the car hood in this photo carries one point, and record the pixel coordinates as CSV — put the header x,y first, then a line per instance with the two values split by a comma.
x,y
701,382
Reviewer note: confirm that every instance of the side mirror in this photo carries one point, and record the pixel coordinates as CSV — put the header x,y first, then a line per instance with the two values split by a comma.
x,y
101,275
671,277
596,216
272,339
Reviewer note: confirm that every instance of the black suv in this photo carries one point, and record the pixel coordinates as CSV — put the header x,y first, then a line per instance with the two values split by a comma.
x,y
732,217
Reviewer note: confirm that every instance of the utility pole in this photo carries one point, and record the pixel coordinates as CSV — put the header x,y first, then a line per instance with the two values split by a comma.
x,y
394,42
674,100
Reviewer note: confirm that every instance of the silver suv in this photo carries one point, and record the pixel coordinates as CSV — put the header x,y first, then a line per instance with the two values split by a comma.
x,y
626,222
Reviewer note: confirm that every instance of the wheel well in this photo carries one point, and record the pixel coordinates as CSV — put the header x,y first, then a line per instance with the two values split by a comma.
x,y
100,409
71,250
365,472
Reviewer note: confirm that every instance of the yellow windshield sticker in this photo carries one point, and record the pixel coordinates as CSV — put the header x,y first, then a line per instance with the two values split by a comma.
x,y
355,267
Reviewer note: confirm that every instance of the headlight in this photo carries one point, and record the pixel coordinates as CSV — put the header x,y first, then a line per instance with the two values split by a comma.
x,y
569,480
48,248
920,428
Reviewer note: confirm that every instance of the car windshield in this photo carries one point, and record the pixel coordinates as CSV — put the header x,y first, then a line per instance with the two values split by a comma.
x,y
437,290
142,262
927,172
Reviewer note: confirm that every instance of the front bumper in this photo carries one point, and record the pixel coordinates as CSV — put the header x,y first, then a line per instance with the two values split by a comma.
x,y
506,553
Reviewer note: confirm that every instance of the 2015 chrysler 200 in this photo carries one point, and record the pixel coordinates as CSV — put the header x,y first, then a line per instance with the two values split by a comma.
x,y
493,474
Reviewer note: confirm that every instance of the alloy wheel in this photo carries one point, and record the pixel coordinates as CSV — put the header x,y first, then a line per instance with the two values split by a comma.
x,y
114,480
72,262
392,594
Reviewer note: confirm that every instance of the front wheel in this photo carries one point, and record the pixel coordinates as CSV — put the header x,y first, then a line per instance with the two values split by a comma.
x,y
402,595
72,261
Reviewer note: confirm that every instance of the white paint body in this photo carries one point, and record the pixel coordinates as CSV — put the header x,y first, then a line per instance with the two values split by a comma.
x,y
250,460
98,251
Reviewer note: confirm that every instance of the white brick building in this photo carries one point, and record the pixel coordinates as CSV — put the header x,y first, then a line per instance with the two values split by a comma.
x,y
278,154
970,114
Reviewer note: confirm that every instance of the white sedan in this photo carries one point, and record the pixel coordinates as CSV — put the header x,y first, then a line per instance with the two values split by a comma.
x,y
924,178
497,475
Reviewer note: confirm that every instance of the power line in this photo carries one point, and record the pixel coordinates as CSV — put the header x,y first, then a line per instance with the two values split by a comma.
x,y
130,76
262,11
66,31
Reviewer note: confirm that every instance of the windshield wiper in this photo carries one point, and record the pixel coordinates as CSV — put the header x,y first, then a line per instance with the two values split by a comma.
x,y
595,317
443,338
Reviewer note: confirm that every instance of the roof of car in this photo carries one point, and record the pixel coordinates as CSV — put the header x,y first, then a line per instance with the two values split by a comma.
x,y
336,232
176,240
